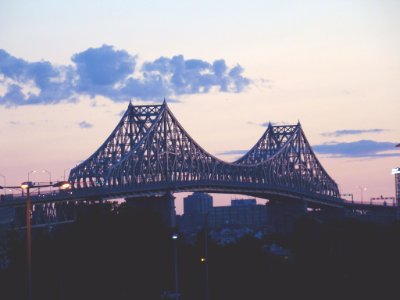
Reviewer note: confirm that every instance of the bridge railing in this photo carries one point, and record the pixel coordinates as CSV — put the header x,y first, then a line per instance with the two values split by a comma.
x,y
374,202
155,188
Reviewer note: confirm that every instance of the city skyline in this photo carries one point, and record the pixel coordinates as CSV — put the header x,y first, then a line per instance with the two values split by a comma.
x,y
334,67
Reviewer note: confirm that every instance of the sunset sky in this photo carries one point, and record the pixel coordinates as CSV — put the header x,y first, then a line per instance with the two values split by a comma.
x,y
69,68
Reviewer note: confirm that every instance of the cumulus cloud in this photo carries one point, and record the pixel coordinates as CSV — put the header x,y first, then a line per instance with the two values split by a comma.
x,y
33,83
98,69
362,148
85,125
339,133
104,71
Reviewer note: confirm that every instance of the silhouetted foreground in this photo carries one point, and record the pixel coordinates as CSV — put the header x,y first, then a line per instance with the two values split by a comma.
x,y
124,253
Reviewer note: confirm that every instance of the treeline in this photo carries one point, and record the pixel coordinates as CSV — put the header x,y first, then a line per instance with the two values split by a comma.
x,y
126,253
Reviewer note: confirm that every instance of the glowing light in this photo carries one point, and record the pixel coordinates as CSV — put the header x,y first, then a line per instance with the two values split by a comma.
x,y
26,184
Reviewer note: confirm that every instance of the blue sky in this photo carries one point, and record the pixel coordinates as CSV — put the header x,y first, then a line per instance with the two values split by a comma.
x,y
68,69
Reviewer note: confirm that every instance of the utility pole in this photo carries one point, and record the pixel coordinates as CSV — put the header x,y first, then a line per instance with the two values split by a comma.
x,y
207,296
28,241
175,241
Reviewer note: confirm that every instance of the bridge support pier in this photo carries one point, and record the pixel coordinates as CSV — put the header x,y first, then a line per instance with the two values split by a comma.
x,y
163,205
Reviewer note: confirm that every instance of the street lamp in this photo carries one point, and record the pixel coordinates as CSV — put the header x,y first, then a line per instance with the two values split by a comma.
x,y
43,171
64,172
348,195
5,183
362,189
205,258
27,185
175,240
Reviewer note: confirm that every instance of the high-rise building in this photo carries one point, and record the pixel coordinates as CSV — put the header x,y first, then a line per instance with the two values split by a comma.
x,y
195,210
242,212
197,203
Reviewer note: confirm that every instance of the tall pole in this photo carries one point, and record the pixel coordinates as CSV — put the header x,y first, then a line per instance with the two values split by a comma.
x,y
28,243
206,255
5,183
64,172
176,268
361,195
362,189
49,173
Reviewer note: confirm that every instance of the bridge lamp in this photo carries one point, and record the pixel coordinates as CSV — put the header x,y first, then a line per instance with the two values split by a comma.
x,y
26,185
62,185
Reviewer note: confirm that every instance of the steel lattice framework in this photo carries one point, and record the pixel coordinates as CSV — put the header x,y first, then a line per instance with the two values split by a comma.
x,y
149,147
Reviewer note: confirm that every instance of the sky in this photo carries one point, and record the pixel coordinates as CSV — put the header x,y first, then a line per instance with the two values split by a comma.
x,y
68,70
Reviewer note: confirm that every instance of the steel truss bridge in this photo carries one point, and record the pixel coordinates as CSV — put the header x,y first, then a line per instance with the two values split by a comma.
x,y
150,152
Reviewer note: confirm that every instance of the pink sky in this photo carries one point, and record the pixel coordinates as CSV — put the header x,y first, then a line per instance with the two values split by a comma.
x,y
334,66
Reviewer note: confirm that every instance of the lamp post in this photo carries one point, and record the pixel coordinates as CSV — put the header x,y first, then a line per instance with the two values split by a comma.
x,y
5,183
64,172
43,171
349,195
27,185
205,258
175,241
362,189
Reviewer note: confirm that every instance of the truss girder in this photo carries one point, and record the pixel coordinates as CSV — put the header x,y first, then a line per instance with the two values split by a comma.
x,y
149,145
134,124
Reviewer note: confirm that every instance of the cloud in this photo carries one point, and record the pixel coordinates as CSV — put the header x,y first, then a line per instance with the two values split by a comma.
x,y
195,76
85,125
362,148
98,69
339,133
111,73
233,152
33,83
14,123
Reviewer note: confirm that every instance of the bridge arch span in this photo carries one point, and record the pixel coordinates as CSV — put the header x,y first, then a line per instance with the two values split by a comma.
x,y
149,147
